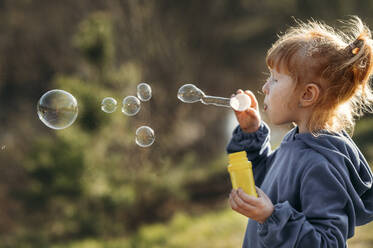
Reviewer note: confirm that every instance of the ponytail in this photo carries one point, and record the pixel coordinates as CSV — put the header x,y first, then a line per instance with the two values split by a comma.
x,y
350,75
359,61
359,52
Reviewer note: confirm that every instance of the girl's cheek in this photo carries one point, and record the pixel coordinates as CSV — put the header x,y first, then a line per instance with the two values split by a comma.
x,y
270,88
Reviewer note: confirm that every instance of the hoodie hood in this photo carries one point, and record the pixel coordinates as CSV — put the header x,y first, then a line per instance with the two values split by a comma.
x,y
342,153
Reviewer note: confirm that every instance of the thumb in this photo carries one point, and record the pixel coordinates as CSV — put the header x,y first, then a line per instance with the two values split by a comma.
x,y
261,193
253,113
254,102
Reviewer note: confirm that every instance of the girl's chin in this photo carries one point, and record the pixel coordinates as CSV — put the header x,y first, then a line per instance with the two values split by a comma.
x,y
273,120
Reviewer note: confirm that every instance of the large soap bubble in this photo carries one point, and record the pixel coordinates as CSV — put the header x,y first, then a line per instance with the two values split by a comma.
x,y
57,109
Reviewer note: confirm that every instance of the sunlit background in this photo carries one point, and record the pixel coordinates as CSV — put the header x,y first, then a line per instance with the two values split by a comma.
x,y
90,185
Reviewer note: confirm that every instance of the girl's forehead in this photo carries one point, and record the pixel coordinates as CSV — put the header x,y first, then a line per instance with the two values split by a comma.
x,y
280,75
279,67
275,72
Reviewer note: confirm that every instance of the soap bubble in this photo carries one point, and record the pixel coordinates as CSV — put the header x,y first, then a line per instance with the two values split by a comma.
x,y
57,109
144,136
240,102
189,93
131,105
108,105
144,92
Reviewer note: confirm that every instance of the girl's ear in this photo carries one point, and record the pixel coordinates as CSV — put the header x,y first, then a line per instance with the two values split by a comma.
x,y
309,95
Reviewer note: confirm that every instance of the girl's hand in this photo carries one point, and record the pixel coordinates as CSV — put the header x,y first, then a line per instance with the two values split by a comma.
x,y
249,119
258,209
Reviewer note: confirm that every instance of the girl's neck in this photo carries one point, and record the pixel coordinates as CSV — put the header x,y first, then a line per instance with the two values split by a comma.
x,y
303,129
302,125
302,119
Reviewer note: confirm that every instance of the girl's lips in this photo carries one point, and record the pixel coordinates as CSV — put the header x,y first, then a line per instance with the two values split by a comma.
x,y
265,106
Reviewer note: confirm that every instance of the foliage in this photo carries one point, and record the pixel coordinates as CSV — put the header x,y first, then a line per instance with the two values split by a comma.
x,y
364,138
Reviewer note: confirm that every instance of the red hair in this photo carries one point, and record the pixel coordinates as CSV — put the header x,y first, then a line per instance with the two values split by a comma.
x,y
340,64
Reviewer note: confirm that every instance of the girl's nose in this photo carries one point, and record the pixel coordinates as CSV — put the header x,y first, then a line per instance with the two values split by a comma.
x,y
265,88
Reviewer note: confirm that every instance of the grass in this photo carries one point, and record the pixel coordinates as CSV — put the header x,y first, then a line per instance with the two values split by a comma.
x,y
363,237
220,229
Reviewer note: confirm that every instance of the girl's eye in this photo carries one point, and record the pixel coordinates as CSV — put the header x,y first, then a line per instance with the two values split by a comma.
x,y
272,79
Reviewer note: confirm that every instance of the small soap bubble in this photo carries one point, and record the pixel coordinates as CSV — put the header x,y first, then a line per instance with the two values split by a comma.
x,y
144,92
108,105
131,105
57,109
3,147
144,136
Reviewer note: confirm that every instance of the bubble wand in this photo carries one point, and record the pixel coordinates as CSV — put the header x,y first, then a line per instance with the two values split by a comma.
x,y
189,93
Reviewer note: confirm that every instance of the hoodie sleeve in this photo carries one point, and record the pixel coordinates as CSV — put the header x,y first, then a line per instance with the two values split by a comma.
x,y
323,221
257,147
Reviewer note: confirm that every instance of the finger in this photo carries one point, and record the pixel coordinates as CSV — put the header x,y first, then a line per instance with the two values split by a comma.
x,y
251,115
254,102
240,206
233,204
236,208
241,203
252,112
243,114
251,200
238,114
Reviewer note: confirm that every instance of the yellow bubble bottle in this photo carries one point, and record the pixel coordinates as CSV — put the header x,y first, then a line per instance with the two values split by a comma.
x,y
241,173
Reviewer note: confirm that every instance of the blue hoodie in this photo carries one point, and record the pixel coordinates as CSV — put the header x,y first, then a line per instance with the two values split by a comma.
x,y
321,188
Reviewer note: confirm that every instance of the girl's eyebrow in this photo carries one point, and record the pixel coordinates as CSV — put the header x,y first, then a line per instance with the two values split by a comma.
x,y
274,73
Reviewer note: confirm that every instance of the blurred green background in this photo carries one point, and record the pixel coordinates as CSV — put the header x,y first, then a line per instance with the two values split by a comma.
x,y
90,185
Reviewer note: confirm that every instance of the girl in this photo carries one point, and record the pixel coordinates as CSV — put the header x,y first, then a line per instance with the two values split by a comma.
x,y
317,186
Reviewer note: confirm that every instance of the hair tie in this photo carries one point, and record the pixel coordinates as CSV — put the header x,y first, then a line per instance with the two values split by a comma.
x,y
355,46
